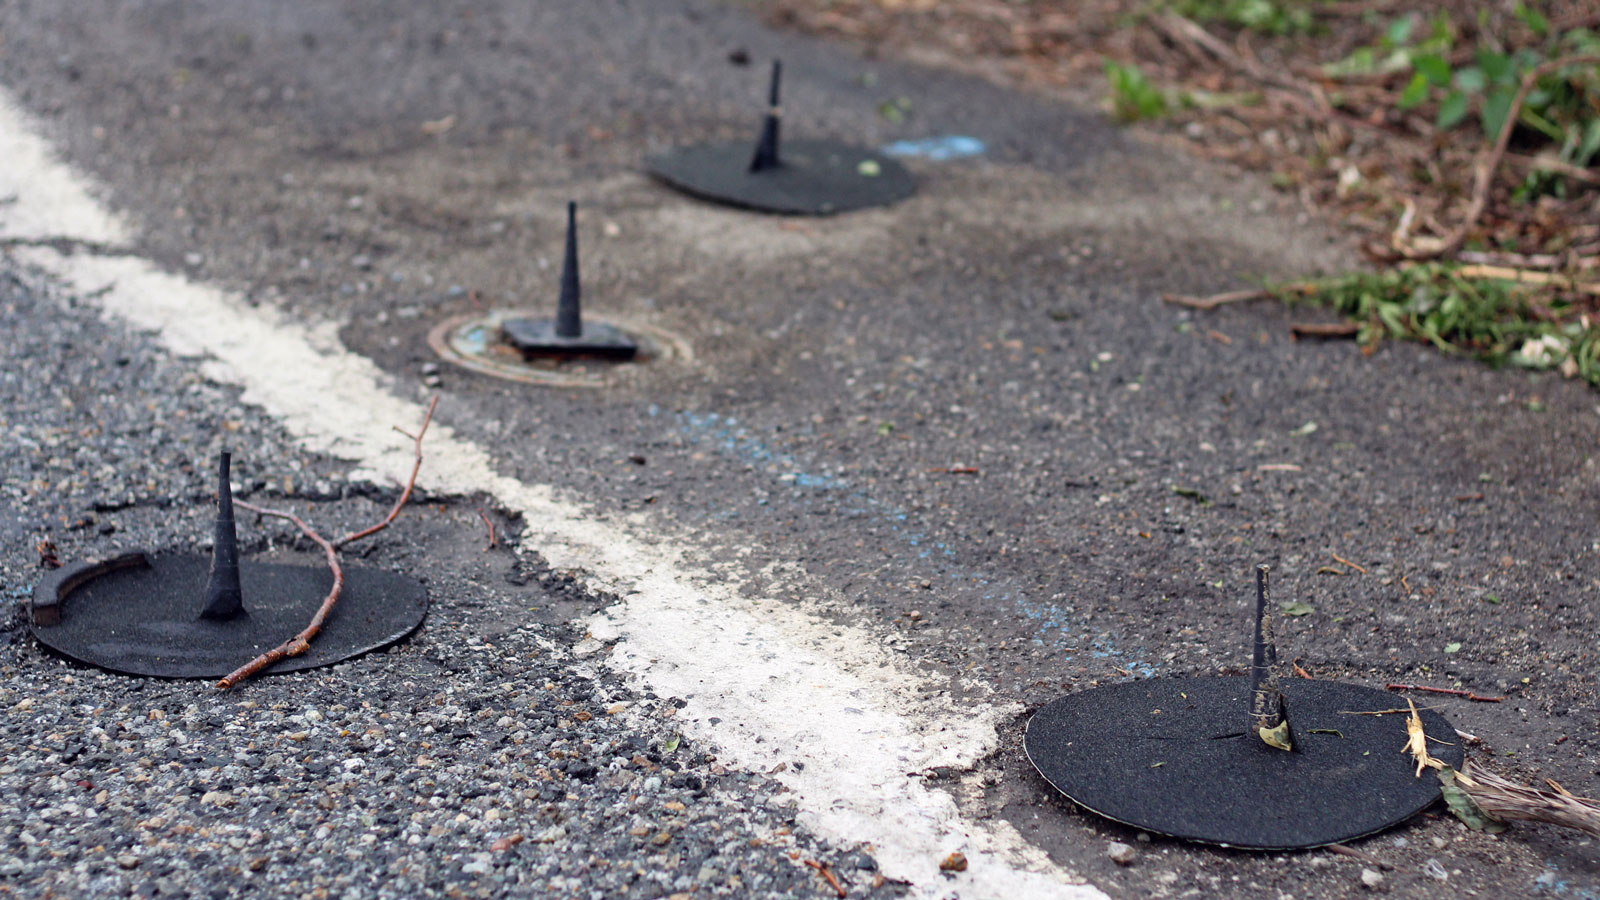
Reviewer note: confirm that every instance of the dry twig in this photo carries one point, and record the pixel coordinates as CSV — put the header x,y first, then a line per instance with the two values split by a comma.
x,y
1299,330
1560,282
1362,855
1216,300
410,485
494,541
301,642
1348,563
827,874
1453,692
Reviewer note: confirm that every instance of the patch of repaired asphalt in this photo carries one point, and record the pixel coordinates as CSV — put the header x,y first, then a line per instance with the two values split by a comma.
x,y
1005,320
489,755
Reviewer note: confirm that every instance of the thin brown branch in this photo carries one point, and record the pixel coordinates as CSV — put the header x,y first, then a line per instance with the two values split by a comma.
x,y
1554,166
1453,692
410,485
1347,562
301,642
1362,855
1216,300
1514,260
1549,279
1299,330
827,874
1490,161
494,541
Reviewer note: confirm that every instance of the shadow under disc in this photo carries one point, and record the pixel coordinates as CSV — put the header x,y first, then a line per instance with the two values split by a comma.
x,y
1169,756
139,615
815,177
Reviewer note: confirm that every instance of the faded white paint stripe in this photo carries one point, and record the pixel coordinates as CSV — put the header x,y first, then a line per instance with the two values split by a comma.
x,y
787,685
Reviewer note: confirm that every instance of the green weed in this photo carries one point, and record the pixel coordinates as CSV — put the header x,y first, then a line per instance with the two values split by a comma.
x,y
1562,112
1265,16
1133,97
1499,321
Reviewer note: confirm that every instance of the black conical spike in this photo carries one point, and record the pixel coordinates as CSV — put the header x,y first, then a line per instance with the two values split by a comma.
x,y
569,314
1267,712
767,149
224,598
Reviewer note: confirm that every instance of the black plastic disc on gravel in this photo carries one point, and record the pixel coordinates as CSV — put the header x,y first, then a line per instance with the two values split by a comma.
x,y
814,177
137,614
1170,756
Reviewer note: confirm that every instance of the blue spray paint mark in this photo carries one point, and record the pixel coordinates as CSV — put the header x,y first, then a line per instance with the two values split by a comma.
x,y
734,440
1552,882
1066,631
938,149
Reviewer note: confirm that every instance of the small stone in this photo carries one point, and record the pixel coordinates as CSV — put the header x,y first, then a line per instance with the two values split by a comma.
x,y
1433,869
128,861
955,862
1143,837
1120,853
1371,879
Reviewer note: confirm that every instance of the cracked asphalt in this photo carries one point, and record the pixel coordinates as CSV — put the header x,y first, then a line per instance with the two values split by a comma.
x,y
969,417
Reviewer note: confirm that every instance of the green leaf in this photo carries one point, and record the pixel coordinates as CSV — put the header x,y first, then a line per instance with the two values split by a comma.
x,y
1453,647
1452,110
1471,80
869,168
895,110
1303,430
1493,599
1495,108
671,745
1496,67
1464,807
1433,67
1416,91
1399,31
1534,19
1296,608
1589,144
1362,62
1132,95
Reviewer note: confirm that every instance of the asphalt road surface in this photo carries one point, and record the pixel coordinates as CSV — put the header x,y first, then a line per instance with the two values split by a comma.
x,y
787,597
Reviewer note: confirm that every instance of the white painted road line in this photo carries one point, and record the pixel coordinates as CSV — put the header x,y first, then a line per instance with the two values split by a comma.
x,y
788,686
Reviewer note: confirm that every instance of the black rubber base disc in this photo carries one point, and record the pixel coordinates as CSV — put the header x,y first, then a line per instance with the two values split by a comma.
x,y
816,178
1169,756
138,615
538,337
